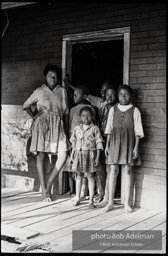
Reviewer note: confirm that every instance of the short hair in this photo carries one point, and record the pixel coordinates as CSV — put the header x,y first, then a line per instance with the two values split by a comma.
x,y
125,87
84,89
112,87
86,109
52,67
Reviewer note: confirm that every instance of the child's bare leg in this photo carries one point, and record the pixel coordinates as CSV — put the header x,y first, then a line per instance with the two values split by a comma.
x,y
57,168
114,169
106,195
91,183
76,199
71,183
128,184
40,170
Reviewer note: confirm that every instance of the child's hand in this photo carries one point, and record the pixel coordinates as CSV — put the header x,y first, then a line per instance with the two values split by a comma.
x,y
106,152
39,113
135,153
96,162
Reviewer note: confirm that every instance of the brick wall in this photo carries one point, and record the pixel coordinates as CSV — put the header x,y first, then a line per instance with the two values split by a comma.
x,y
34,38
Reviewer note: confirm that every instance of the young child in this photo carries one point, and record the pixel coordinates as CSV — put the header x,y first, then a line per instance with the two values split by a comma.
x,y
111,99
79,98
86,143
124,130
99,103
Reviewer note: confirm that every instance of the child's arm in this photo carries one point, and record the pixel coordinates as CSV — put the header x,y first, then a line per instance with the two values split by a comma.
x,y
97,160
32,114
66,81
94,100
136,148
107,145
71,157
138,132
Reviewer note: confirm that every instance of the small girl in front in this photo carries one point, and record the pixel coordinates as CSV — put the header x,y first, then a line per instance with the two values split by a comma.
x,y
87,144
124,130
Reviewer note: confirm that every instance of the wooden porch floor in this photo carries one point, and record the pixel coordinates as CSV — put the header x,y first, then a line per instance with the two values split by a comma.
x,y
49,225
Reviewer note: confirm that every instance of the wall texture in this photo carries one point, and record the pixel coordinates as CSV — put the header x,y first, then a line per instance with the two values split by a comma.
x,y
34,38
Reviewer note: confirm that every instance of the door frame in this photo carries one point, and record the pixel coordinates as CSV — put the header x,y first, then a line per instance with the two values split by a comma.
x,y
95,36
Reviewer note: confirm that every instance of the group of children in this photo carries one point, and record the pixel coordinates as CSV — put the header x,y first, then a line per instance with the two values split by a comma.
x,y
98,147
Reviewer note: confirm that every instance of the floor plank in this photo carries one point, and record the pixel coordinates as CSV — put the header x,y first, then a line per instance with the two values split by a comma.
x,y
23,234
55,221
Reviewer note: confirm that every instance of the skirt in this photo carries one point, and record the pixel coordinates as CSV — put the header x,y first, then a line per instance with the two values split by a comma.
x,y
84,161
122,142
48,134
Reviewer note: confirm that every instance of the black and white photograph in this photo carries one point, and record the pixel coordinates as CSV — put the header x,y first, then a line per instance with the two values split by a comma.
x,y
83,127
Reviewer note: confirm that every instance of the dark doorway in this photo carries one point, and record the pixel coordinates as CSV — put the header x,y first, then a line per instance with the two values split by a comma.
x,y
92,64
95,62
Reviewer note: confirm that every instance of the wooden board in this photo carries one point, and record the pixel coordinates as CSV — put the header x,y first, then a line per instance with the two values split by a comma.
x,y
23,234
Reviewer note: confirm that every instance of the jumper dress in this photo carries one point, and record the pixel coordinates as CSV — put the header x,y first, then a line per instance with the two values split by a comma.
x,y
122,139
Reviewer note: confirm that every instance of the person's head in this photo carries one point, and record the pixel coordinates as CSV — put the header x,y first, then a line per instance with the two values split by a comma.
x,y
52,75
124,94
80,94
86,115
105,85
111,95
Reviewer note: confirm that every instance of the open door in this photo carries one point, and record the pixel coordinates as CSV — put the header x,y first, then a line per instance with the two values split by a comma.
x,y
94,39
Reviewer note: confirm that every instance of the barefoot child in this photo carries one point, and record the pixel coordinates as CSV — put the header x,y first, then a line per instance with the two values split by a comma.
x,y
86,143
124,130
99,103
79,98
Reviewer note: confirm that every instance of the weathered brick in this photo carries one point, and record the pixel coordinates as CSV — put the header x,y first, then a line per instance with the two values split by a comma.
x,y
147,67
139,48
138,61
156,73
138,74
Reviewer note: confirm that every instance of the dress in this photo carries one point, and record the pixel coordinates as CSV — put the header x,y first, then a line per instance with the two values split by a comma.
x,y
85,143
74,120
123,129
48,129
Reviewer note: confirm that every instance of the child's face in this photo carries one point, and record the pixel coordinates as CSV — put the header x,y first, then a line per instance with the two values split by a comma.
x,y
78,96
51,79
86,117
124,97
111,96
103,90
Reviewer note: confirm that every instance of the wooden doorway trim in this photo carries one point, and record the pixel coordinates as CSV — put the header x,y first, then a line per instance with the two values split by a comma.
x,y
95,36
102,35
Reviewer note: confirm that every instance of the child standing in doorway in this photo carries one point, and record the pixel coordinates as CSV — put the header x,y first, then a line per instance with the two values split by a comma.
x,y
79,98
87,144
124,130
103,107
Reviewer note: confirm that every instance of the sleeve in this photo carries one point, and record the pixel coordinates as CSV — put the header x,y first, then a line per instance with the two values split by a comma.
x,y
73,139
94,100
65,108
99,139
109,125
70,120
138,129
32,99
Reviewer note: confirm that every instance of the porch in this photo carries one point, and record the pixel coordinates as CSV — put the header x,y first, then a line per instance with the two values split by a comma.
x,y
48,226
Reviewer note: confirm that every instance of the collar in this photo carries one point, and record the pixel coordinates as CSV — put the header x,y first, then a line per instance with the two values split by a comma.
x,y
46,87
